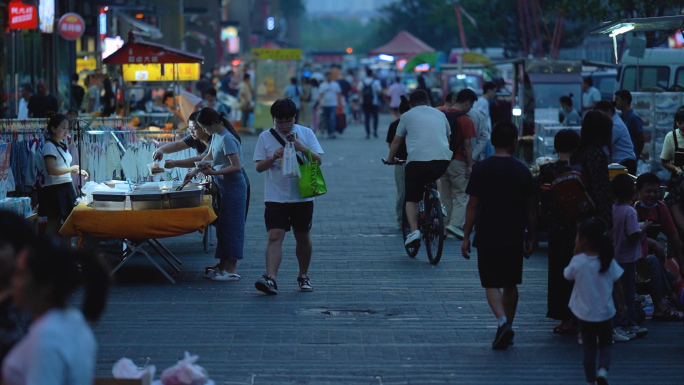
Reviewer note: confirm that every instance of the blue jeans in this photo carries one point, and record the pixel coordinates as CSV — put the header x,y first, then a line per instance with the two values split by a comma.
x,y
330,119
629,288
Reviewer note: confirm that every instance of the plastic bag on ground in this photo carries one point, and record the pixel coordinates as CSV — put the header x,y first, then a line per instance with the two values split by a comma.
x,y
185,372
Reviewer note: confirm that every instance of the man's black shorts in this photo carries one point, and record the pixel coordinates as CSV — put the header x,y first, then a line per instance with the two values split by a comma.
x,y
418,174
297,215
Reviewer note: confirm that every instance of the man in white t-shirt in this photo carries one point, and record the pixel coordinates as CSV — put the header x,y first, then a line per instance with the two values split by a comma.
x,y
26,92
330,98
370,90
426,131
590,94
285,207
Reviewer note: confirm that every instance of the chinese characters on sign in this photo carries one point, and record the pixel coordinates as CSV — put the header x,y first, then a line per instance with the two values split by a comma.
x,y
276,54
22,16
71,26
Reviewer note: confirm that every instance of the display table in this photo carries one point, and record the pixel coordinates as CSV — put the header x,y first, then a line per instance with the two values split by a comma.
x,y
136,228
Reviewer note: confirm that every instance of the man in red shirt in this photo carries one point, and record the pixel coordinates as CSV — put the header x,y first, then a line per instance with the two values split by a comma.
x,y
455,180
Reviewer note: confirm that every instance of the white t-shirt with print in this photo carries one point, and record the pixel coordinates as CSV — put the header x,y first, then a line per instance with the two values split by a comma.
x,y
63,160
59,349
329,92
592,295
276,187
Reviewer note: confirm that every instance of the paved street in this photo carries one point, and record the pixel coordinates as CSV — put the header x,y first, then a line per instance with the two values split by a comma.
x,y
376,316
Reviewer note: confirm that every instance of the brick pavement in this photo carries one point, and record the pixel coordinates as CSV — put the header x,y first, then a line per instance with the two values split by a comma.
x,y
375,317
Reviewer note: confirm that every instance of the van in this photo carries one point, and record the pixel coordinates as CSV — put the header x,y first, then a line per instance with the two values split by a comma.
x,y
658,70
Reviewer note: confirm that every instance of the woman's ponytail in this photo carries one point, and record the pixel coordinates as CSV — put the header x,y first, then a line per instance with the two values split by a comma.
x,y
226,124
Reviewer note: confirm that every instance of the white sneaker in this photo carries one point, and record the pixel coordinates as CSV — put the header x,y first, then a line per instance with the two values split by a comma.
x,y
413,238
224,276
619,335
636,330
602,376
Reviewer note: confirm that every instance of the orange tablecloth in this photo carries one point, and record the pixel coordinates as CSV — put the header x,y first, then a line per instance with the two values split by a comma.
x,y
145,224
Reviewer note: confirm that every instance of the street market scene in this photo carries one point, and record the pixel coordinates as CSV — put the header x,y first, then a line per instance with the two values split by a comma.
x,y
326,192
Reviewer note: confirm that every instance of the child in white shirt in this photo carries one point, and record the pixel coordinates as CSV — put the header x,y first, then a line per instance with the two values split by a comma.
x,y
595,273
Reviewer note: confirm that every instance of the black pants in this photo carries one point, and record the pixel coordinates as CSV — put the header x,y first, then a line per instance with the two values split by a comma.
x,y
368,112
631,165
591,331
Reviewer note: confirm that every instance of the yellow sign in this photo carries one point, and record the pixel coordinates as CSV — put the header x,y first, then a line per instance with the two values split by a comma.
x,y
276,54
153,72
85,65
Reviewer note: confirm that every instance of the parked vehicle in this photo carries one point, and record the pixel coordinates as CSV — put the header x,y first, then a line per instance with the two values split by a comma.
x,y
658,70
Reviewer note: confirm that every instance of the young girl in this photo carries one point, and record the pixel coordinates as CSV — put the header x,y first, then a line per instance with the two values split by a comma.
x,y
226,153
595,274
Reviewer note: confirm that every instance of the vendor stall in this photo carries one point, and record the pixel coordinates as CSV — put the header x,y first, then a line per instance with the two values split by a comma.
x,y
274,68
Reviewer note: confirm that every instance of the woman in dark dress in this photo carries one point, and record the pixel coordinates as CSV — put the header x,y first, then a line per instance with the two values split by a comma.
x,y
561,234
593,157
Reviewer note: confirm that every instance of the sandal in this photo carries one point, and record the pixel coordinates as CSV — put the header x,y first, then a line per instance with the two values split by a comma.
x,y
561,329
668,316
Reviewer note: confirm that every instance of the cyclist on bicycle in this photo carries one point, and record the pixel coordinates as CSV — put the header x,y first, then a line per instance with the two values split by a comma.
x,y
426,132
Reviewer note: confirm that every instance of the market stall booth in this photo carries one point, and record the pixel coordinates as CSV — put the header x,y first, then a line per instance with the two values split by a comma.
x,y
273,70
149,63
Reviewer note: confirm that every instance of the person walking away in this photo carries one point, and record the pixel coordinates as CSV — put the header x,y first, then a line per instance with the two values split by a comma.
x,y
502,201
245,100
561,232
294,92
592,159
424,87
57,198
672,155
285,207
590,94
395,92
596,275
489,90
329,97
305,115
108,99
77,92
42,104
426,132
623,102
402,154
26,92
627,233
60,347
91,100
455,180
226,152
570,115
211,101
622,148
370,90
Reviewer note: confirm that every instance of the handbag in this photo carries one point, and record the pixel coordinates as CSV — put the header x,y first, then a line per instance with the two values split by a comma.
x,y
311,183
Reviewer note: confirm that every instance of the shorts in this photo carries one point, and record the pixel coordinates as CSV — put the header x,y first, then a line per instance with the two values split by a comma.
x,y
500,266
297,215
56,200
418,174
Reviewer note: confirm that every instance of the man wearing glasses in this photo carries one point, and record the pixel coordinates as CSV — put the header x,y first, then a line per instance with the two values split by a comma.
x,y
285,207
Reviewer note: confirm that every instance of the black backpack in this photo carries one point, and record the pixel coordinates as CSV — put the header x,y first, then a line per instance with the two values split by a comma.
x,y
455,140
367,93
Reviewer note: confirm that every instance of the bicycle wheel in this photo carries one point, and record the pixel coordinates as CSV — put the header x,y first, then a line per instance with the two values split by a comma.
x,y
433,232
405,230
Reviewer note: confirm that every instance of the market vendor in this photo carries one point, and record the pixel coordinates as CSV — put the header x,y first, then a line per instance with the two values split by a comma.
x,y
672,156
57,197
197,139
169,100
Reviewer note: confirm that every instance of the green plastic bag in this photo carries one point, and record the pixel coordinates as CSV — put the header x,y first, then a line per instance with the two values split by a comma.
x,y
311,183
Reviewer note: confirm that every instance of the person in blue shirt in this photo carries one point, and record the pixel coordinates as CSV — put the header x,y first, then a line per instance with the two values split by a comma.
x,y
572,118
622,147
623,102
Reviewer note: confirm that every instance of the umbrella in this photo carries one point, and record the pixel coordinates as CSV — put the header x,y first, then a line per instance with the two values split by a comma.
x,y
431,58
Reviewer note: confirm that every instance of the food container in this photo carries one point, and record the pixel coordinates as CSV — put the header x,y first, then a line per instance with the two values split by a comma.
x,y
109,200
166,185
187,198
147,200
155,168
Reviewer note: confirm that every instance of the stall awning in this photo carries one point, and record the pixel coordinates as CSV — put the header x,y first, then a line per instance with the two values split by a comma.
x,y
142,52
403,45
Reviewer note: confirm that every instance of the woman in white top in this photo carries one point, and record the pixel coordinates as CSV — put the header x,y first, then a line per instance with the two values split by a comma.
x,y
60,347
595,273
57,197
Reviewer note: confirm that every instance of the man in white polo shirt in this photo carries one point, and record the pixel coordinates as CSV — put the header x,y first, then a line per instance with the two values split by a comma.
x,y
285,207
426,132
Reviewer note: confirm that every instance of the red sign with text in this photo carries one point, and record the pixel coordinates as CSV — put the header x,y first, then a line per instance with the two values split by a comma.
x,y
22,16
71,26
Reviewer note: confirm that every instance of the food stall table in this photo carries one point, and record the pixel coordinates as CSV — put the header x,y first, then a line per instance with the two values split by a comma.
x,y
136,228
